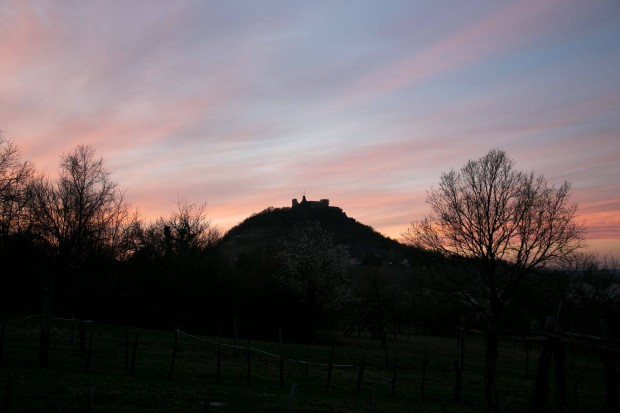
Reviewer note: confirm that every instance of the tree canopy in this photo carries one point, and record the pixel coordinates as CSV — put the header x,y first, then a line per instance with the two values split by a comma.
x,y
493,225
314,267
15,175
506,222
83,210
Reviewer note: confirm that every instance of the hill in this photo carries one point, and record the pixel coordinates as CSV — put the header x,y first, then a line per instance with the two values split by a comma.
x,y
265,229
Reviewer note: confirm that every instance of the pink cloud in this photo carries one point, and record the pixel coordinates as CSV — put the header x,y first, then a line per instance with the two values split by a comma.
x,y
24,34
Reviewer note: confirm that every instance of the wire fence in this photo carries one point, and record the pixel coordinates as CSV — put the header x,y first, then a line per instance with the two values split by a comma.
x,y
414,368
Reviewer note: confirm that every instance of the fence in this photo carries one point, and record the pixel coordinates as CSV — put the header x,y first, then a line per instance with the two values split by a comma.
x,y
408,371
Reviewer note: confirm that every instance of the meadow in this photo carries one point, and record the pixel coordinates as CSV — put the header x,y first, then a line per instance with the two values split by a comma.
x,y
127,369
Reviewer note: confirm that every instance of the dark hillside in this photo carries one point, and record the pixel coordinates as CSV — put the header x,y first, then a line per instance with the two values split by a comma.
x,y
264,230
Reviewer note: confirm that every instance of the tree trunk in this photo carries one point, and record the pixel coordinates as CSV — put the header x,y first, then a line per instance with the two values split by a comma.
x,y
540,390
490,391
611,382
46,325
560,374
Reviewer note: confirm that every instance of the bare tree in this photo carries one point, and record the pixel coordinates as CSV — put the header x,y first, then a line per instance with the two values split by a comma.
x,y
188,229
495,225
80,215
14,177
83,211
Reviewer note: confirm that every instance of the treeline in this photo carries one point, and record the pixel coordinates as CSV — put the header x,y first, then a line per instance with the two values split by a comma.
x,y
71,245
68,243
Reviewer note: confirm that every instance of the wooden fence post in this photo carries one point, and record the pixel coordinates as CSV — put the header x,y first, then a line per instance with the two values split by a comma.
x,y
306,377
458,366
394,380
360,374
91,400
291,400
7,393
82,334
458,380
44,343
611,382
560,374
463,335
235,337
89,351
424,367
132,366
281,367
218,371
249,364
373,403
576,395
126,351
540,391
2,330
174,351
527,357
385,351
73,328
281,349
46,327
329,369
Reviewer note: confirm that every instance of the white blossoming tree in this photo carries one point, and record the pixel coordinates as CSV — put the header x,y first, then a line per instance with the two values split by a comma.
x,y
315,269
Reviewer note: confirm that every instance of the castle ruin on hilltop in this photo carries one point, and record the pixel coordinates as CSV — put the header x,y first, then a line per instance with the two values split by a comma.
x,y
323,203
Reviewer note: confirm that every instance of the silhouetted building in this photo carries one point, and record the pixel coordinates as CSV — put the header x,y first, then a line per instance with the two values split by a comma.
x,y
323,203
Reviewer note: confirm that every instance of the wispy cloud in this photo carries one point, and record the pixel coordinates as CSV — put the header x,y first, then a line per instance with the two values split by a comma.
x,y
244,105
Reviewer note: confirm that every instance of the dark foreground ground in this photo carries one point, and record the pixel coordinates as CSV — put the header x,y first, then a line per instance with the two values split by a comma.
x,y
129,370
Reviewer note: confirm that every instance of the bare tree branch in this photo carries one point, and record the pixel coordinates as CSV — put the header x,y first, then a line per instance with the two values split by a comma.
x,y
493,225
14,178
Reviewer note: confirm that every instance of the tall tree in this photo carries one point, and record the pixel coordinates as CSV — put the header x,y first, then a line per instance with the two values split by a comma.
x,y
83,211
17,255
495,224
15,175
80,217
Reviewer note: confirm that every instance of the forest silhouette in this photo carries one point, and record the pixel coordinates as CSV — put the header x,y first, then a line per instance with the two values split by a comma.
x,y
72,245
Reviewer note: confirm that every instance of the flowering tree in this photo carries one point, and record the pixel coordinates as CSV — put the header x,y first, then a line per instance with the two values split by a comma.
x,y
315,268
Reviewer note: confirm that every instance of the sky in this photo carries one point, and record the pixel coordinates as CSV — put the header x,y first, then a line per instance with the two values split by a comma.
x,y
249,104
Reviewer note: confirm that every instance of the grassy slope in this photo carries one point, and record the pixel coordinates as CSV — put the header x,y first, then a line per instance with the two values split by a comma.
x,y
65,386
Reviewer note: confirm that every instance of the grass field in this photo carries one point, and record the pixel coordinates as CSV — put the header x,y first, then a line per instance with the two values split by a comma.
x,y
66,385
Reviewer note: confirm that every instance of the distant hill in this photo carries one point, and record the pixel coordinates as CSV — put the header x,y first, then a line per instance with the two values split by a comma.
x,y
265,229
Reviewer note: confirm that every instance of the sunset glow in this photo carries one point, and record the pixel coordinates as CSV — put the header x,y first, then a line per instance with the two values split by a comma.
x,y
248,104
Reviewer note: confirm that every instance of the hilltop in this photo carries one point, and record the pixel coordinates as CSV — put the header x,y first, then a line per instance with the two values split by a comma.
x,y
263,230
